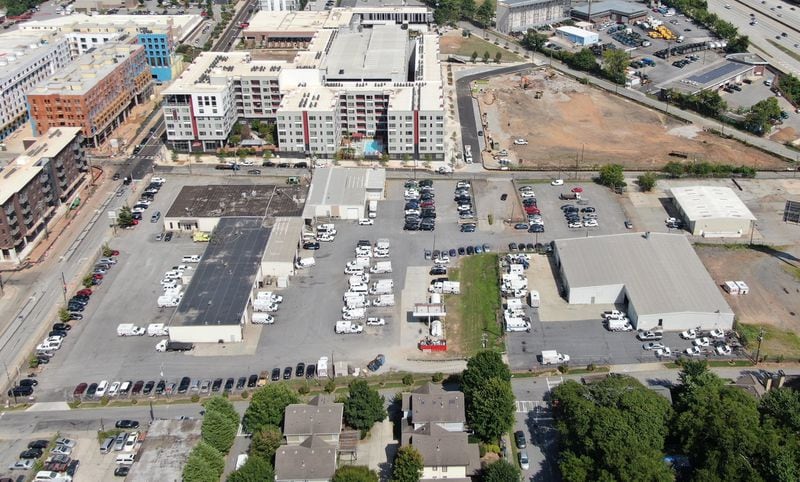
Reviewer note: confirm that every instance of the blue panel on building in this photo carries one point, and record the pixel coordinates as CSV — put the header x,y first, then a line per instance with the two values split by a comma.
x,y
158,50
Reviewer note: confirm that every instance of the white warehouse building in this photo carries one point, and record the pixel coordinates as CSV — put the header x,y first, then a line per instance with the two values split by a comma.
x,y
713,211
343,193
578,36
657,277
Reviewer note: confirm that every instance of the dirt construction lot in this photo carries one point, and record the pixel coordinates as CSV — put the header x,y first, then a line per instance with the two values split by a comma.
x,y
572,120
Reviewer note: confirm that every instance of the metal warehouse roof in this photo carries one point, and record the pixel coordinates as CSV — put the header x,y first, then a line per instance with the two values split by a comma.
x,y
661,272
342,186
283,240
710,202
609,6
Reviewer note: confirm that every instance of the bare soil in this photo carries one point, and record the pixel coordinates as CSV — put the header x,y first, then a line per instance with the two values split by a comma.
x,y
574,123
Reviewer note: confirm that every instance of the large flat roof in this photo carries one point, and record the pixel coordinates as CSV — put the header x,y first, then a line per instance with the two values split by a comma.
x,y
341,186
377,53
282,245
180,25
611,6
710,202
239,200
223,281
661,272
298,21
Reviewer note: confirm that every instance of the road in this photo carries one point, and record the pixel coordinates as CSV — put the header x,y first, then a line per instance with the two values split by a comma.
x,y
768,30
225,43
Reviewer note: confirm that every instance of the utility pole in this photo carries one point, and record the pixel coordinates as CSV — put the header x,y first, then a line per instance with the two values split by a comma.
x,y
760,339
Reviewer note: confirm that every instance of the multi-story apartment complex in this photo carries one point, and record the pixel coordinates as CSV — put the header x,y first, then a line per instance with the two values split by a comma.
x,y
34,186
96,92
160,35
26,59
358,90
278,5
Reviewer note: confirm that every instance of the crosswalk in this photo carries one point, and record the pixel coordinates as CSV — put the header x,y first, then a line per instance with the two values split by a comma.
x,y
525,406
554,382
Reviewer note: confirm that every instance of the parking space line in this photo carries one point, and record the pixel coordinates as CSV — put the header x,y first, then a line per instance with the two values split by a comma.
x,y
551,384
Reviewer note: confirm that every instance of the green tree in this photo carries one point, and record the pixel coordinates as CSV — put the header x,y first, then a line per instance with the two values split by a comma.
x,y
674,169
486,56
783,406
615,64
363,406
205,464
223,406
218,431
447,12
468,8
490,411
354,473
256,469
611,175
63,315
485,12
584,60
500,471
534,40
481,367
497,57
266,441
124,217
647,181
761,114
407,465
474,56
267,406
738,44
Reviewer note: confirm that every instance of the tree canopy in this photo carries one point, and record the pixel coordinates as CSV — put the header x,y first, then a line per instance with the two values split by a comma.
x,y
266,441
219,431
407,465
490,412
256,469
355,473
500,471
481,367
363,407
615,64
222,405
612,175
267,406
205,464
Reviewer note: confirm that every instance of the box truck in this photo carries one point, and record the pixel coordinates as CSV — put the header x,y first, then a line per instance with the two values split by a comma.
x,y
345,327
552,357
165,345
534,298
373,209
305,263
270,296
262,319
517,324
129,329
322,367
169,301
445,287
351,303
619,324
264,305
381,267
383,300
157,329
354,314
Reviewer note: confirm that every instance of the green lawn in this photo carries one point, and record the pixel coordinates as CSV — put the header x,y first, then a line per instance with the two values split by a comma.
x,y
777,343
473,43
475,309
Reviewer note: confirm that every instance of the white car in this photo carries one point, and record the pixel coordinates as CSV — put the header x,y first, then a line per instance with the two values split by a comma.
x,y
704,342
365,222
717,333
527,194
381,254
575,225
520,142
694,351
653,345
671,221
61,450
24,464
113,389
158,180
376,321
689,334
664,352
723,350
557,182
66,442
591,223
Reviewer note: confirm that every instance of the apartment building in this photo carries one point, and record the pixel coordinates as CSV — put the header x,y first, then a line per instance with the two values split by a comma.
x,y
357,91
96,92
159,34
26,59
35,187
278,5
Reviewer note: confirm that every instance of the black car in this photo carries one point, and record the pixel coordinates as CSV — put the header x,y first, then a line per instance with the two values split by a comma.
x,y
300,370
276,374
31,454
252,381
470,250
160,387
183,386
216,385
168,236
73,467
62,326
588,209
311,370
28,382
462,251
61,333
412,226
127,424
452,253
301,165
287,373
43,360
530,247
311,245
512,246
148,387
254,171
20,391
468,228
241,383
229,384
92,390
519,438
537,228
78,301
428,214
122,470
426,183
438,270
39,444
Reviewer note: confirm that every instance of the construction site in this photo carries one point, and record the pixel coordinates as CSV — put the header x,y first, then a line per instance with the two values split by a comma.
x,y
570,125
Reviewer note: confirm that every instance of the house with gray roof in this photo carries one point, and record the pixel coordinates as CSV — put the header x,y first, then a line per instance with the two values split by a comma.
x,y
314,460
446,455
321,417
432,404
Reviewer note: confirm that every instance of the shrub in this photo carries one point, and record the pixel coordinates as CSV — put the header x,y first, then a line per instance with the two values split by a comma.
x,y
245,394
437,377
330,387
408,379
304,389
195,398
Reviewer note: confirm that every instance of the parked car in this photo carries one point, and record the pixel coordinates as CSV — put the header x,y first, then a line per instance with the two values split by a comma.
x,y
519,438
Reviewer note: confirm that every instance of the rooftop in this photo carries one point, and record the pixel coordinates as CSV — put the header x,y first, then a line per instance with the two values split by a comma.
x,y
165,450
441,448
607,6
181,25
81,75
282,245
661,272
430,403
298,21
16,48
341,186
222,282
711,202
377,53
314,459
19,172
252,200
319,417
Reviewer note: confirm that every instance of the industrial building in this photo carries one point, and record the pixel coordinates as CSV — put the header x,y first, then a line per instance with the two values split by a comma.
x,y
520,15
98,5
578,36
657,278
159,34
26,59
36,187
343,193
96,92
201,208
355,90
713,211
734,68
610,10
278,262
214,306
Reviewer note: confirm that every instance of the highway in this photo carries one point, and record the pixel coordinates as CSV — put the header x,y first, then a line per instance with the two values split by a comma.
x,y
770,28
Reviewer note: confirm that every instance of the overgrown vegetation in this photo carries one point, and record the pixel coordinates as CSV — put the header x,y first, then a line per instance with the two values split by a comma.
x,y
706,169
614,62
478,303
777,344
707,102
18,7
486,384
698,10
790,86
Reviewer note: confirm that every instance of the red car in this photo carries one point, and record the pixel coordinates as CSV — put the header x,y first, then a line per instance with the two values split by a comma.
x,y
114,252
84,292
532,210
97,276
577,189
79,390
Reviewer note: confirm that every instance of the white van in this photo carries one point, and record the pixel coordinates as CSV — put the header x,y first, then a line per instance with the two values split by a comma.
x,y
125,459
195,258
240,461
305,262
107,445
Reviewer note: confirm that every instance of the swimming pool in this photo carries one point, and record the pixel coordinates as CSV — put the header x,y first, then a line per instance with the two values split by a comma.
x,y
373,147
